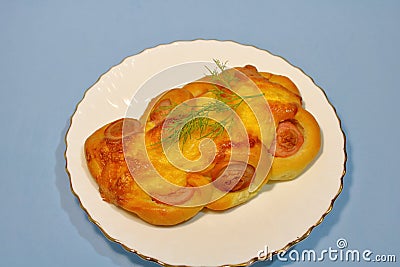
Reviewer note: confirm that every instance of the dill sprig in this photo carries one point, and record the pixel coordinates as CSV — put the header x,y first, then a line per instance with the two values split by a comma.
x,y
195,119
221,66
220,75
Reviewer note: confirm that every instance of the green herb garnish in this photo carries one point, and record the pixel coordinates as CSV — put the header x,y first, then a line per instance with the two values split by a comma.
x,y
196,118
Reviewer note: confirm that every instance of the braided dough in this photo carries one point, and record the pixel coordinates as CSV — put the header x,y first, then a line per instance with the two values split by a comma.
x,y
295,146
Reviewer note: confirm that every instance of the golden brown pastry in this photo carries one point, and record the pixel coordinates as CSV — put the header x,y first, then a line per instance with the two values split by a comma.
x,y
127,157
230,176
298,143
108,165
298,138
241,192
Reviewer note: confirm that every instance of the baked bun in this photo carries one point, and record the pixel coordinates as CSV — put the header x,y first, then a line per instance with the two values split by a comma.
x,y
164,168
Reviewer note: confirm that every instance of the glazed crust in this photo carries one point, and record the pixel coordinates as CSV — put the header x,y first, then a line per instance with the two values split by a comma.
x,y
119,188
285,103
106,163
281,80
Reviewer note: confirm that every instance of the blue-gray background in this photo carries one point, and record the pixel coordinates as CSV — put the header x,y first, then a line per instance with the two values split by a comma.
x,y
52,51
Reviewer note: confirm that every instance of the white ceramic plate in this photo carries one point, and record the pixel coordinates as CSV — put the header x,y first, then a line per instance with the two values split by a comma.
x,y
279,217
